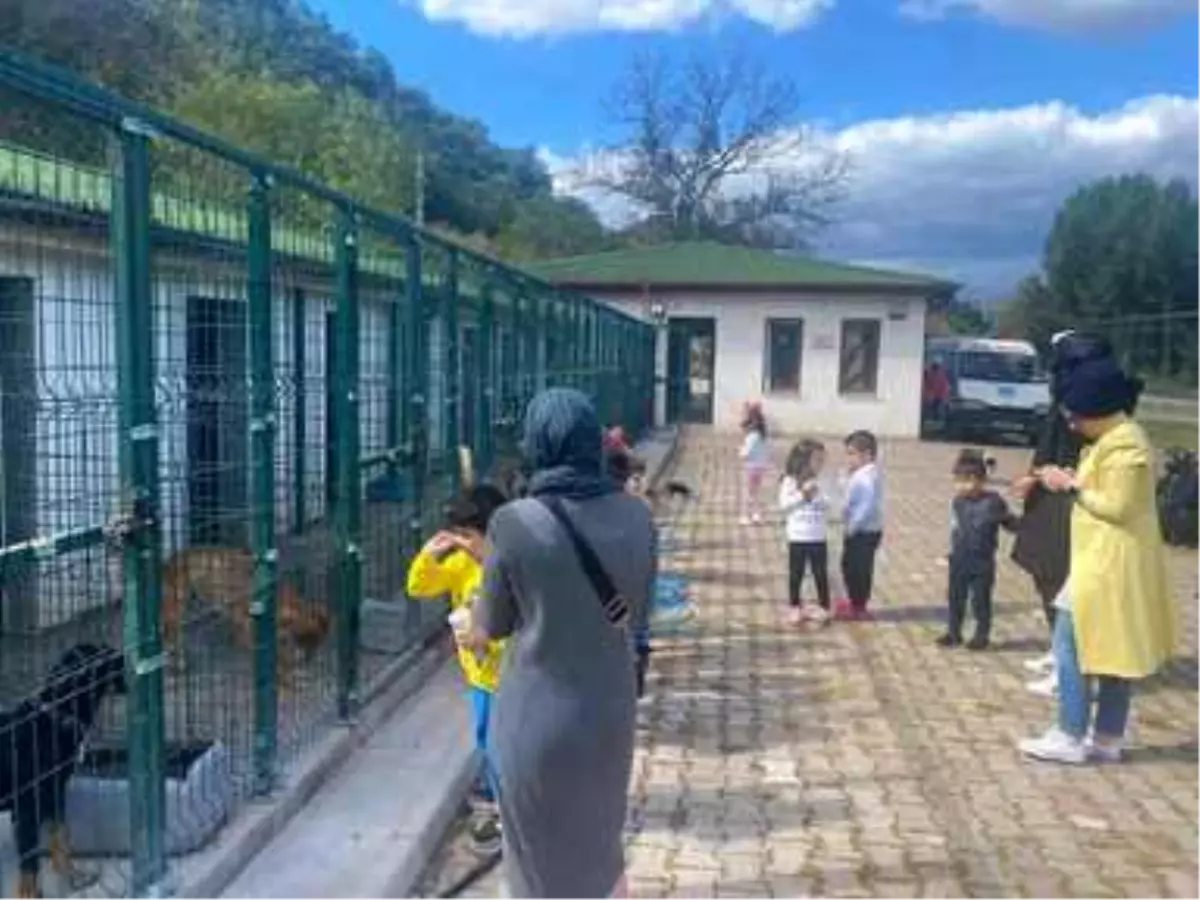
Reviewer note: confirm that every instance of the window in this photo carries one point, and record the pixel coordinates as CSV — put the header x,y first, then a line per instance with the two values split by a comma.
x,y
1012,367
858,368
785,344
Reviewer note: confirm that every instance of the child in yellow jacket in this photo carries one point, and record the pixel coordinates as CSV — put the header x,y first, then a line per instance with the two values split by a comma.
x,y
451,564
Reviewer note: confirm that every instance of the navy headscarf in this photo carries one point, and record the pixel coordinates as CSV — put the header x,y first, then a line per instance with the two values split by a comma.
x,y
564,446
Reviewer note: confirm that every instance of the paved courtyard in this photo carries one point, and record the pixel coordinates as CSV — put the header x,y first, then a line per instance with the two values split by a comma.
x,y
862,760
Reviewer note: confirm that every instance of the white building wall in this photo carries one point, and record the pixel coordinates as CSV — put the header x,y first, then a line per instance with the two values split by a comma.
x,y
741,331
75,417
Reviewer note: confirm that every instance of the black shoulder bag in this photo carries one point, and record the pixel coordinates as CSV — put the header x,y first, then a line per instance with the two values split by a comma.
x,y
613,602
616,607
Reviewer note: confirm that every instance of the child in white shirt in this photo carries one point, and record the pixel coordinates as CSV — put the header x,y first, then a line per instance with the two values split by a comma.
x,y
756,457
807,510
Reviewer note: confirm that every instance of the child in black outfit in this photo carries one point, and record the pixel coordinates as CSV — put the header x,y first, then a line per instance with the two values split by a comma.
x,y
977,515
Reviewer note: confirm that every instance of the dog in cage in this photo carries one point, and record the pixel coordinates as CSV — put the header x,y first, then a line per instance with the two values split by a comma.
x,y
222,578
40,744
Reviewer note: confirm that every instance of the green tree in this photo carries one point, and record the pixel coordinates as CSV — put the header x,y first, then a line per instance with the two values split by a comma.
x,y
274,76
1121,257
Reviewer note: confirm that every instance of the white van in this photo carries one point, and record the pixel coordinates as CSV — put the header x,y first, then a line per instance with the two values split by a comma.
x,y
996,388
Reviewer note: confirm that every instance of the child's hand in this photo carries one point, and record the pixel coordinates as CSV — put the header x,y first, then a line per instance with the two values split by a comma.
x,y
444,543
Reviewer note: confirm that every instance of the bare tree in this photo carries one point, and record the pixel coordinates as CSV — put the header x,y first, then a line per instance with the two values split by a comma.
x,y
713,149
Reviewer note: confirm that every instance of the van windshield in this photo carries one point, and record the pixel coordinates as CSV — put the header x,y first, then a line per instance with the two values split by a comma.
x,y
1009,367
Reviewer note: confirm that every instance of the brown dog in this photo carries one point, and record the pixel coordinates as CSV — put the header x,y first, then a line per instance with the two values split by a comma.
x,y
223,578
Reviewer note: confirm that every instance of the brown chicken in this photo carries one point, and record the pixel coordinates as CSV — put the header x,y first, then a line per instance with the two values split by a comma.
x,y
223,578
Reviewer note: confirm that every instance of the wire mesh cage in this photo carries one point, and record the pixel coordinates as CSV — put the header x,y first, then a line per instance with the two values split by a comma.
x,y
233,404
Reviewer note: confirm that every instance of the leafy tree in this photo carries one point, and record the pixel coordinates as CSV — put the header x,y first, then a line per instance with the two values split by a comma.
x,y
1121,257
967,319
274,76
709,152
354,148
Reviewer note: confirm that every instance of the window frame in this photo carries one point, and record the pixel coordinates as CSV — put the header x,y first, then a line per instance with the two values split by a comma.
x,y
844,388
770,385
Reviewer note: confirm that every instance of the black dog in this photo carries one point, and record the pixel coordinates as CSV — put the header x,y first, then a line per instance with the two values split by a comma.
x,y
40,742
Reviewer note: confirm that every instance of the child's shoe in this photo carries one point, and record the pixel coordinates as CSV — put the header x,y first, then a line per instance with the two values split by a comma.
x,y
486,837
861,614
795,616
1044,687
816,614
843,610
977,643
948,640
744,521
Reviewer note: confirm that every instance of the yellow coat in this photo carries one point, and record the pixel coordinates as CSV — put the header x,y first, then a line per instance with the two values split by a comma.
x,y
458,576
1121,602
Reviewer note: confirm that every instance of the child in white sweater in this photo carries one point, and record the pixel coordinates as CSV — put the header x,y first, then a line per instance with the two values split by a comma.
x,y
807,509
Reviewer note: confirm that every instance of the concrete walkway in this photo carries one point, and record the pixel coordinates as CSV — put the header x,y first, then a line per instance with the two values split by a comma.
x,y
369,831
862,760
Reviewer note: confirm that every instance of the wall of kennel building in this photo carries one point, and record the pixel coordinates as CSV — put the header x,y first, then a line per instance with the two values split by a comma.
x,y
232,403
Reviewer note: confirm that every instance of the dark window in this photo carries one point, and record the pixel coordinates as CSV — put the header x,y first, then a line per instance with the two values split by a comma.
x,y
785,345
858,368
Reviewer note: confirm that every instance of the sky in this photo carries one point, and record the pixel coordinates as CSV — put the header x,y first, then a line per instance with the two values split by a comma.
x,y
964,123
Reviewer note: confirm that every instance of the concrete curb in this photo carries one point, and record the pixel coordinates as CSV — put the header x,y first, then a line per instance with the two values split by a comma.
x,y
258,822
412,864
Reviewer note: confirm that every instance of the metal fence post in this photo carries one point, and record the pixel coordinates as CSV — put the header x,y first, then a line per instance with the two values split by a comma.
x,y
485,413
348,496
262,480
300,413
139,474
451,380
416,421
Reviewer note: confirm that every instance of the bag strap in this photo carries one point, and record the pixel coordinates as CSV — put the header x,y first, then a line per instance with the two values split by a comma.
x,y
616,607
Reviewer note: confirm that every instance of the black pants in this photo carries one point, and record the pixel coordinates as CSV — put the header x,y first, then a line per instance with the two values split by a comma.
x,y
799,557
858,565
972,583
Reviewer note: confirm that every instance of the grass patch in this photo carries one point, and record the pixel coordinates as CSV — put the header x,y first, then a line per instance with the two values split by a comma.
x,y
1171,434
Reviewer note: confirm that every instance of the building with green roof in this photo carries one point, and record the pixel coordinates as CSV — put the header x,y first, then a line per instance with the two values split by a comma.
x,y
826,346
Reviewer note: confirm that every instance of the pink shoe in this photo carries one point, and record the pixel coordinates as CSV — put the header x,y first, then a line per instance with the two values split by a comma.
x,y
843,610
795,616
861,614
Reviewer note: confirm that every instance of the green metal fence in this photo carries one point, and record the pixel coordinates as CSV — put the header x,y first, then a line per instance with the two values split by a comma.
x,y
231,402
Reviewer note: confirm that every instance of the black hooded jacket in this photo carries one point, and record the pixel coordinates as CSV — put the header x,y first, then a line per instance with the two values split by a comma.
x,y
1043,544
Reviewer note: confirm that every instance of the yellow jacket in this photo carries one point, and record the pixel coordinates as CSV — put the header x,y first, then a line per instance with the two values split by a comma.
x,y
1121,602
457,575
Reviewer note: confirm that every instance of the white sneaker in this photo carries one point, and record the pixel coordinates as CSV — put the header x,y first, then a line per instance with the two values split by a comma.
x,y
744,521
1044,687
1104,753
1040,665
816,614
1055,746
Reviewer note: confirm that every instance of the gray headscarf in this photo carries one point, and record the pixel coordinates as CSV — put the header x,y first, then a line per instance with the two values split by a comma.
x,y
564,446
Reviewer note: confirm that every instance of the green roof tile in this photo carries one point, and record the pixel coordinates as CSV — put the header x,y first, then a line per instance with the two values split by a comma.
x,y
710,264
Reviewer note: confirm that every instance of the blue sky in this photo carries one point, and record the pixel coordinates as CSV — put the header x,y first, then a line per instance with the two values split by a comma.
x,y
965,121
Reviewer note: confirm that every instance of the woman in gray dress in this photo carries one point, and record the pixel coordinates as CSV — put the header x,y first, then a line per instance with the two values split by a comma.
x,y
565,714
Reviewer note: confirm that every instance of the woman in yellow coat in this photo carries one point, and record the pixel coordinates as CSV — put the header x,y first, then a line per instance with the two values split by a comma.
x,y
1116,621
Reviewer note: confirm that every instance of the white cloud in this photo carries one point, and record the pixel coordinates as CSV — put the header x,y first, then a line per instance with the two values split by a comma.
x,y
972,194
524,18
1060,15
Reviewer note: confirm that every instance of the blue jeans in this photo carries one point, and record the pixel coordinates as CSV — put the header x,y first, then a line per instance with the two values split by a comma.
x,y
1075,689
481,704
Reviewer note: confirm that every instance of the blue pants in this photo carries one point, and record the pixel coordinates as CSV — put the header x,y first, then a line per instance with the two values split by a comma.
x,y
481,705
1075,691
